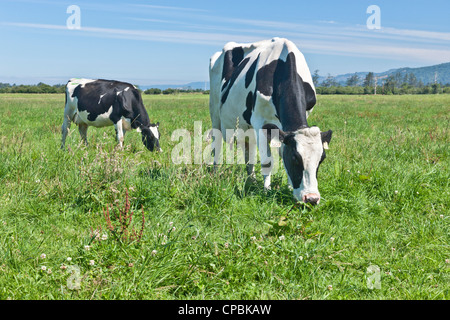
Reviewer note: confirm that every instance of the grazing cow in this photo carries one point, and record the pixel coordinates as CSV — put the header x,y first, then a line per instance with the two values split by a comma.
x,y
101,103
268,85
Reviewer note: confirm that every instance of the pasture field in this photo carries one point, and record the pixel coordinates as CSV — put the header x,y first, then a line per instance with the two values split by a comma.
x,y
381,230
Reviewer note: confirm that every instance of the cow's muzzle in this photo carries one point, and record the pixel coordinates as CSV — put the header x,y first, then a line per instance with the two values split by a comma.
x,y
312,198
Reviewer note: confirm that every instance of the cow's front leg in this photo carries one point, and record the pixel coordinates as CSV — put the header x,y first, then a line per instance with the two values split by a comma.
x,y
216,146
119,133
123,134
82,129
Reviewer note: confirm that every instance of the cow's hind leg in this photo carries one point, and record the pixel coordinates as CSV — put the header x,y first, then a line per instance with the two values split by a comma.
x,y
65,130
82,128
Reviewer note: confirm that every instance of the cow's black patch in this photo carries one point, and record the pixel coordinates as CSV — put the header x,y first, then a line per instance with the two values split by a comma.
x,y
98,96
249,104
250,73
310,96
293,163
230,82
231,60
325,137
290,95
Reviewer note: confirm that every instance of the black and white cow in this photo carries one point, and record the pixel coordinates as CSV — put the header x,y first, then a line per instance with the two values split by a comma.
x,y
268,85
101,103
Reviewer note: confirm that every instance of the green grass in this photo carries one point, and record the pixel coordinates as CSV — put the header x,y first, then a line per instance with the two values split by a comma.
x,y
385,202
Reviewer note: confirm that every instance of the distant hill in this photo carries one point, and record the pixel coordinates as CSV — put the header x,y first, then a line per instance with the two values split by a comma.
x,y
424,74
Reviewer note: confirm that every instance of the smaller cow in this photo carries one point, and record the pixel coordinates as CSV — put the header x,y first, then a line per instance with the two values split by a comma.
x,y
101,103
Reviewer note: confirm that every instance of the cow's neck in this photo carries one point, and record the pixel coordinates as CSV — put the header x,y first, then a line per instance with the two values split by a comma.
x,y
292,116
289,95
291,105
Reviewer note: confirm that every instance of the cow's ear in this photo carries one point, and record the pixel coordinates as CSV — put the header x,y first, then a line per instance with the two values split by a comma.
x,y
157,124
269,131
326,138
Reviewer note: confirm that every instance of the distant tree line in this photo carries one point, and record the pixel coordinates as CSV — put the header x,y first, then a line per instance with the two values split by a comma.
x,y
60,88
38,88
174,91
396,83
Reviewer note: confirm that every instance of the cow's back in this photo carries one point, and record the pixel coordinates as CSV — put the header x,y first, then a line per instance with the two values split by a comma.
x,y
242,79
103,102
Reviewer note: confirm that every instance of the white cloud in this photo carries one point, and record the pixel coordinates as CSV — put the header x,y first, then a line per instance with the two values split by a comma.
x,y
144,35
333,39
429,35
148,6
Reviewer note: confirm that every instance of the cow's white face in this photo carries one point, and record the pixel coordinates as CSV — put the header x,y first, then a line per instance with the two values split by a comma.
x,y
302,152
302,157
151,136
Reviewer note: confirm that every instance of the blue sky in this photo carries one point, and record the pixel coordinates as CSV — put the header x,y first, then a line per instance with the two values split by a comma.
x,y
160,42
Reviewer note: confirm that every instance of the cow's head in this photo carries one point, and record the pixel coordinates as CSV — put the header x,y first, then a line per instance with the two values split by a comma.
x,y
302,151
151,136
